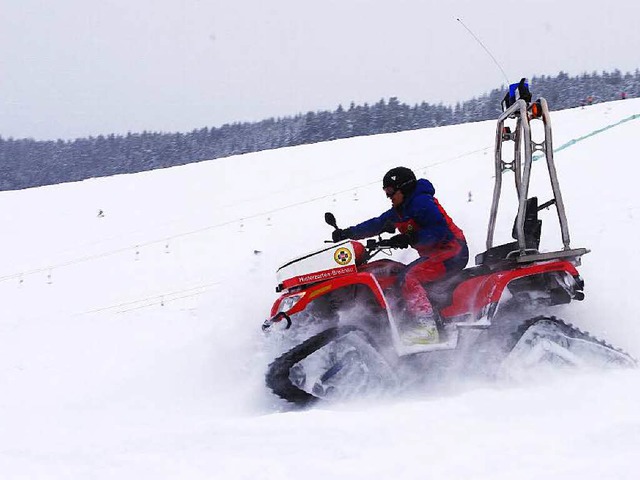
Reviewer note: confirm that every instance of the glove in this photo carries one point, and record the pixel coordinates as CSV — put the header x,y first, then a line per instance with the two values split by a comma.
x,y
401,240
339,234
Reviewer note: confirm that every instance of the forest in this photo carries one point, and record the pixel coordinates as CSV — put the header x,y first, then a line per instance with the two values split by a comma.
x,y
26,163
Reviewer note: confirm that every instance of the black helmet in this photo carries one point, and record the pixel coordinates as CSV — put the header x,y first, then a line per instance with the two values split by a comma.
x,y
400,178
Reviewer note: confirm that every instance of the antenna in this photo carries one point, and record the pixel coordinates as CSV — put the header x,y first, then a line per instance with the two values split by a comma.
x,y
485,49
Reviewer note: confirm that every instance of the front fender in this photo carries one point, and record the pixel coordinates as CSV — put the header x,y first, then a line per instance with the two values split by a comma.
x,y
320,289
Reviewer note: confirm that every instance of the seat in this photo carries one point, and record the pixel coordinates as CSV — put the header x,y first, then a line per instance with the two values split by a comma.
x,y
532,232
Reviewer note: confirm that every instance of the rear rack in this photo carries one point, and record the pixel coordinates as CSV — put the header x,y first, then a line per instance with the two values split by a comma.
x,y
571,254
523,251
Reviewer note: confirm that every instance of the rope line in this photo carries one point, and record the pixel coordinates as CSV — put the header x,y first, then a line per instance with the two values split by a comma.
x,y
211,227
573,141
154,299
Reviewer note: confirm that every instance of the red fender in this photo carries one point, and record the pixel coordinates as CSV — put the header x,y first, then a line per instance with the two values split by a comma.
x,y
472,295
323,288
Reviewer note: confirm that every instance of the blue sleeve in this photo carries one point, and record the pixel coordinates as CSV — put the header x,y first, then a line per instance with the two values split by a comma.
x,y
374,226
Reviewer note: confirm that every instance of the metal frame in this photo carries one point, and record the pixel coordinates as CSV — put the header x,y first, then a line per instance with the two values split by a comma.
x,y
521,167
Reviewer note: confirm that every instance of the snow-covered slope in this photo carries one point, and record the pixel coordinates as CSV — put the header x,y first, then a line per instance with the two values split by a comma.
x,y
130,343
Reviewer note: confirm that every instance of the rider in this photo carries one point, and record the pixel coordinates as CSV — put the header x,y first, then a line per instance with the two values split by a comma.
x,y
425,226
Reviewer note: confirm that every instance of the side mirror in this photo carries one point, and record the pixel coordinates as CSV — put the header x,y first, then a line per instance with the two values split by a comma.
x,y
331,220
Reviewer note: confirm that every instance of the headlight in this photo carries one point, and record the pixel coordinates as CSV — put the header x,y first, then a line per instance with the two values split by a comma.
x,y
289,302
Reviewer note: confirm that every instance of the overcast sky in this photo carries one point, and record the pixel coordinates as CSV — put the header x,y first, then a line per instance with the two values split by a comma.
x,y
83,67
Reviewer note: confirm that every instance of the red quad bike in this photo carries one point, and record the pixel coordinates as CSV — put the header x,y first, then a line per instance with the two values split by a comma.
x,y
338,318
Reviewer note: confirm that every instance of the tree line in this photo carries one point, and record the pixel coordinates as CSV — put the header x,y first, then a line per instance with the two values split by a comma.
x,y
28,163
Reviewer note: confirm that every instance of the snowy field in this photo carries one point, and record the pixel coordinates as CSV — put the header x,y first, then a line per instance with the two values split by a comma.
x,y
130,341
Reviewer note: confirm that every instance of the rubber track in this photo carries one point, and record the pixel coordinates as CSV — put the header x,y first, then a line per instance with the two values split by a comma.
x,y
569,330
277,377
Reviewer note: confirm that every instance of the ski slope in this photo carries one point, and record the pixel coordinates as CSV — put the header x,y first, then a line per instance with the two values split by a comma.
x,y
130,342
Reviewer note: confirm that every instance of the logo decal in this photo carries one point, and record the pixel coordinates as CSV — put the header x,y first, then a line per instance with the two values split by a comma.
x,y
342,256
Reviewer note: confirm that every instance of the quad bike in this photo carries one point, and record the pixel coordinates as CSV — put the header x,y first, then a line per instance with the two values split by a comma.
x,y
338,319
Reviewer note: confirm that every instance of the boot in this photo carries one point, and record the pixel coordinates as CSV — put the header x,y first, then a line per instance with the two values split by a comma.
x,y
423,331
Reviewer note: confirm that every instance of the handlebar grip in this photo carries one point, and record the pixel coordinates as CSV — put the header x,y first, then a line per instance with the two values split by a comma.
x,y
371,243
382,243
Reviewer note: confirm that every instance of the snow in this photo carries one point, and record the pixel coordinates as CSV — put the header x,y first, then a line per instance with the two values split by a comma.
x,y
130,344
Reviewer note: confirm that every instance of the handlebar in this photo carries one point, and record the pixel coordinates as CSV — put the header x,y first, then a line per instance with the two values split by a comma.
x,y
373,244
372,247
